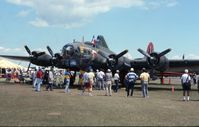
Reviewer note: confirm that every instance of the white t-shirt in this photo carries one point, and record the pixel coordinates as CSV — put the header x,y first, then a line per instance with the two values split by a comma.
x,y
100,75
116,76
185,78
91,76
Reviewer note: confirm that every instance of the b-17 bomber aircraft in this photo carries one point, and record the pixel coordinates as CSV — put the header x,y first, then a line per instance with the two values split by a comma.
x,y
96,54
78,56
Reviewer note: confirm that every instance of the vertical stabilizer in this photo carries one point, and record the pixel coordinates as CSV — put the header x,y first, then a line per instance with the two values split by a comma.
x,y
150,48
101,41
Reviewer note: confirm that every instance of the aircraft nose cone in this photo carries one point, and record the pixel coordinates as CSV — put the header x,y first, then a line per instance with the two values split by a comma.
x,y
68,50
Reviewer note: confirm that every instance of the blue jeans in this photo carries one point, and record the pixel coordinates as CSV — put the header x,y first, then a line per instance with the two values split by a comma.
x,y
67,83
116,85
50,85
144,89
100,83
34,82
130,86
38,84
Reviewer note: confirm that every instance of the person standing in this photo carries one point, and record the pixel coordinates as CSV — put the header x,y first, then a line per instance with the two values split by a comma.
x,y
144,82
85,82
34,77
186,84
116,80
39,80
100,79
91,78
131,78
194,79
67,76
50,81
108,79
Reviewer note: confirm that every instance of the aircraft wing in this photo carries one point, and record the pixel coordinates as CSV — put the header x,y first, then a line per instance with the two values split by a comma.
x,y
174,65
186,62
41,59
23,58
138,64
179,65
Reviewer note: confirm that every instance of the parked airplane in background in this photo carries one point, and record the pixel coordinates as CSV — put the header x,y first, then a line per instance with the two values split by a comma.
x,y
81,55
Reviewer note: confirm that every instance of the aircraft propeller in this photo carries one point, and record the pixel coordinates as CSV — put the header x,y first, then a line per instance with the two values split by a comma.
x,y
144,53
153,59
156,61
54,56
50,51
112,59
30,53
28,50
33,54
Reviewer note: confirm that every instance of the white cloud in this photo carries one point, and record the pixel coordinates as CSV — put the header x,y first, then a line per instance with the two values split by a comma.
x,y
172,3
39,23
23,13
75,13
11,50
155,4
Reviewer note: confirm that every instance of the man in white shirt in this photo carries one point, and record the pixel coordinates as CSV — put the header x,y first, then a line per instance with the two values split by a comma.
x,y
100,79
186,84
116,80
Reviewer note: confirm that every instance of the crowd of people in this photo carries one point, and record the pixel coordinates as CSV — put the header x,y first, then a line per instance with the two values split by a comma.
x,y
106,81
15,74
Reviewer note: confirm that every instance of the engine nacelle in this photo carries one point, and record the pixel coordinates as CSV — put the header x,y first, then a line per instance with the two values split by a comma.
x,y
158,63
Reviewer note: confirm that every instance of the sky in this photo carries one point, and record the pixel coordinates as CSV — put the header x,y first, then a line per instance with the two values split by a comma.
x,y
125,24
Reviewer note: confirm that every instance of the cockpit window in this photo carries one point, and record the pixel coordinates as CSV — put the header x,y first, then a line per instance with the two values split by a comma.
x,y
68,50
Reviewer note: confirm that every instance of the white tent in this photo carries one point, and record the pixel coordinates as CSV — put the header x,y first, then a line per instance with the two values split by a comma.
x,y
7,64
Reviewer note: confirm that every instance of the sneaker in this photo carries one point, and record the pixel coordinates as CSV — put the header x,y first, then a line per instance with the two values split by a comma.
x,y
184,99
188,98
90,94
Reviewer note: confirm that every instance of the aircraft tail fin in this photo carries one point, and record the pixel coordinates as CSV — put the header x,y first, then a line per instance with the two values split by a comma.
x,y
150,48
101,41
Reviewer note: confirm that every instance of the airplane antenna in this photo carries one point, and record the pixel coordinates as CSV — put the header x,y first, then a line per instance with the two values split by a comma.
x,y
183,57
73,40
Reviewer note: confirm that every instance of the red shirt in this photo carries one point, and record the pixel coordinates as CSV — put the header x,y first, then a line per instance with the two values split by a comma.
x,y
39,74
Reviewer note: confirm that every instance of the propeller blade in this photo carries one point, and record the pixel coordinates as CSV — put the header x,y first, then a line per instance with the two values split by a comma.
x,y
121,54
164,52
50,51
28,50
144,53
28,66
